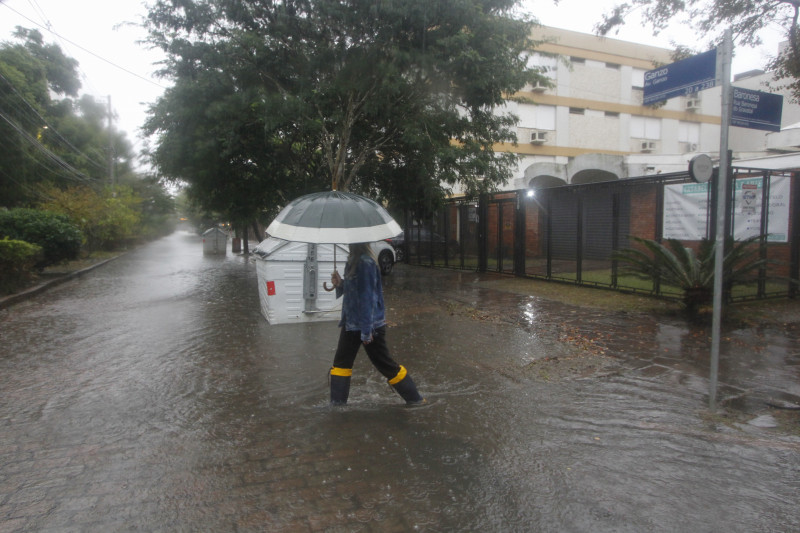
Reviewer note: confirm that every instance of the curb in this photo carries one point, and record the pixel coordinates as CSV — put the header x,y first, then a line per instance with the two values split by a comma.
x,y
11,299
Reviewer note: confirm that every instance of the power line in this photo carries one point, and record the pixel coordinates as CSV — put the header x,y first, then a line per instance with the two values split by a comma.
x,y
44,122
78,175
85,49
35,6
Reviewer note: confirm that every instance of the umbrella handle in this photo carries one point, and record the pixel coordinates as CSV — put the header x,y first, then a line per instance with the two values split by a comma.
x,y
325,283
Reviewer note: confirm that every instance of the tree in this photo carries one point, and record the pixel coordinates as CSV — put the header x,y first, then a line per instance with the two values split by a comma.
x,y
393,99
25,91
48,134
745,18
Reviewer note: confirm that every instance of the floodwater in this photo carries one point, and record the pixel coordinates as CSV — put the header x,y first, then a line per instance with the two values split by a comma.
x,y
151,395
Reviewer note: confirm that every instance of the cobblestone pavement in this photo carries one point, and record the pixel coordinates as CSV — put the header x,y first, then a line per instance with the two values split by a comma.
x,y
150,395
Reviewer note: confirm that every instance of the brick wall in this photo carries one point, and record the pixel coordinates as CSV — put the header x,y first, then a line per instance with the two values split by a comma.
x,y
643,211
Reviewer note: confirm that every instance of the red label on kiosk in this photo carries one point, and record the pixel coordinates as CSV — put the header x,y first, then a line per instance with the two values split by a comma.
x,y
271,288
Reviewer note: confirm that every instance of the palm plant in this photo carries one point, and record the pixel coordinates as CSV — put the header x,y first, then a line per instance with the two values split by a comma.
x,y
672,263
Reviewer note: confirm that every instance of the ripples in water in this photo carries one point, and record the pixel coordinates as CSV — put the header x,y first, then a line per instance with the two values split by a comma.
x,y
188,404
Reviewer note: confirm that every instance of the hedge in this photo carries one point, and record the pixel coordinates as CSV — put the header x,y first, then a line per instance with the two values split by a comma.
x,y
17,261
59,239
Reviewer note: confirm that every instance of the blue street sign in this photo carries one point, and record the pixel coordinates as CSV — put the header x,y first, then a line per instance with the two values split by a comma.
x,y
756,110
688,76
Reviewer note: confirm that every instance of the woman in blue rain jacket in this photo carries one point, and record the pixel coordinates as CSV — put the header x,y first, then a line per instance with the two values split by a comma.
x,y
364,322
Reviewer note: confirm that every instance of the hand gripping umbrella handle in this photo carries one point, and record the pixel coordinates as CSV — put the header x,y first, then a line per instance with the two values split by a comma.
x,y
325,283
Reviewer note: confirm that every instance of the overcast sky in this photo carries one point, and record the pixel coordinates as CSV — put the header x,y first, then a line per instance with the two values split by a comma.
x,y
95,33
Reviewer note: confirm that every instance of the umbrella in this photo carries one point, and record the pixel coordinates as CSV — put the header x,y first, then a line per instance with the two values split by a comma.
x,y
333,217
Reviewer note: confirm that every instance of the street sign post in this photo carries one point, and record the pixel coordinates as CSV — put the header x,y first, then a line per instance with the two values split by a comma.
x,y
756,110
696,73
740,107
722,210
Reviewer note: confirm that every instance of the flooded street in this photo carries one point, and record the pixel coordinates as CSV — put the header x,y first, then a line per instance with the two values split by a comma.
x,y
151,395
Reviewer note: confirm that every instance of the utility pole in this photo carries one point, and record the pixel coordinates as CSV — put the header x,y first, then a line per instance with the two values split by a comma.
x,y
110,146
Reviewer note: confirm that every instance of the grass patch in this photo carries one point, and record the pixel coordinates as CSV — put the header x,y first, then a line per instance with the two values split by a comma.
x,y
585,296
78,264
779,311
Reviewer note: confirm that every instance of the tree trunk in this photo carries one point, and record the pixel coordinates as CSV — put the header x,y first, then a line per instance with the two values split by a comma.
x,y
257,231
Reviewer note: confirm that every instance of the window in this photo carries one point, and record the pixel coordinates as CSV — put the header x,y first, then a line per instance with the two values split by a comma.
x,y
577,60
637,78
576,111
613,114
544,64
540,117
645,128
613,66
689,132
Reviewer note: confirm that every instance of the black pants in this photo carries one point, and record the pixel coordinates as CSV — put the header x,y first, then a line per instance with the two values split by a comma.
x,y
377,351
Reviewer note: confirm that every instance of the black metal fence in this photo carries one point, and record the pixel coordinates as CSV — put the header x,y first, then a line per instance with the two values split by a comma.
x,y
569,233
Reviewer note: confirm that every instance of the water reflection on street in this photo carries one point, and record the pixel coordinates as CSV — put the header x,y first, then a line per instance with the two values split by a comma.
x,y
152,395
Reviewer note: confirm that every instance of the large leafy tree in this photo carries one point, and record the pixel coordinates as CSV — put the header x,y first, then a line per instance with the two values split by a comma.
x,y
30,72
745,18
49,134
394,99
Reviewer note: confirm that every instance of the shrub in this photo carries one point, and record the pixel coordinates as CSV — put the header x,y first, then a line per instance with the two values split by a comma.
x,y
674,264
17,260
59,239
108,218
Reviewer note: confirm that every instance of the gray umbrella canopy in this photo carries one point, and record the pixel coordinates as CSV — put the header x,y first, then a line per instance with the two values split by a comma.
x,y
333,217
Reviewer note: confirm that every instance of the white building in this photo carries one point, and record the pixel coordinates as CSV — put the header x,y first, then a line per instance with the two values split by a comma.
x,y
590,125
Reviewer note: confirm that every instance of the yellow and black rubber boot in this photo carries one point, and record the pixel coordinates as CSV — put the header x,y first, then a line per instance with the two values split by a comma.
x,y
340,385
406,387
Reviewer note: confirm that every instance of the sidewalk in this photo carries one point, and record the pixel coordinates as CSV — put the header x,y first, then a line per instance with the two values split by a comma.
x,y
48,281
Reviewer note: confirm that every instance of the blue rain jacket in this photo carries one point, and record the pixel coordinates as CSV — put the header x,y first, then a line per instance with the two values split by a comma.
x,y
362,307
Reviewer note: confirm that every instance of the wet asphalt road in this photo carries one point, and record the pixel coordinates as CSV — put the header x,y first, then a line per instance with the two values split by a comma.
x,y
150,395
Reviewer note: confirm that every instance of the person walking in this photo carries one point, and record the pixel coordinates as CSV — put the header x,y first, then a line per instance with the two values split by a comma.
x,y
363,321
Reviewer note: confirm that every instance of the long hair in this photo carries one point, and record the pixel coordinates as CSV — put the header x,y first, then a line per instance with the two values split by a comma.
x,y
356,251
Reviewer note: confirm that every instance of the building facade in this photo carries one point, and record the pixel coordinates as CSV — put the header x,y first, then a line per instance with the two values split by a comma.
x,y
588,123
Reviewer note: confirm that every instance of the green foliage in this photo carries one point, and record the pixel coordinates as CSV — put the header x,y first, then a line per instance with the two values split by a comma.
x,y
17,260
49,135
679,266
59,239
156,209
108,218
274,99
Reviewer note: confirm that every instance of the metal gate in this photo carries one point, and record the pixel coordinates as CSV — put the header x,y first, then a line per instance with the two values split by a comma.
x,y
570,233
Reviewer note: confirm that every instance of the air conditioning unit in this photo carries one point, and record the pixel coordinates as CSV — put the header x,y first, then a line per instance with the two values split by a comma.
x,y
538,137
539,86
692,104
648,146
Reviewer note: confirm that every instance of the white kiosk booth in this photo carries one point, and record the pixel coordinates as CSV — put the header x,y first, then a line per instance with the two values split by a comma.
x,y
290,279
215,241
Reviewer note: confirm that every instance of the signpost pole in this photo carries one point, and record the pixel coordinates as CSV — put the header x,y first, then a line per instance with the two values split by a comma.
x,y
722,212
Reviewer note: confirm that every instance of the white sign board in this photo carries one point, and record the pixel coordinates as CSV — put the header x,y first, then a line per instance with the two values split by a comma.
x,y
686,209
747,208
